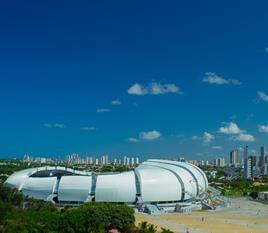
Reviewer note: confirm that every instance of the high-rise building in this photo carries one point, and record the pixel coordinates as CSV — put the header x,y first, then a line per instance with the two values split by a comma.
x,y
250,167
73,159
262,160
104,160
219,162
132,161
119,161
89,160
137,161
265,170
246,152
247,168
115,161
201,162
125,160
247,164
234,157
128,161
194,162
26,158
97,161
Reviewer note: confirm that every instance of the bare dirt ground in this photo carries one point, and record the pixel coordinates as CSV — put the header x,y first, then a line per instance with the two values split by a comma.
x,y
243,216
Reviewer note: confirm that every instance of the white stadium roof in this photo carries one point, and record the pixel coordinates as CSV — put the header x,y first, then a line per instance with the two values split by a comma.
x,y
153,181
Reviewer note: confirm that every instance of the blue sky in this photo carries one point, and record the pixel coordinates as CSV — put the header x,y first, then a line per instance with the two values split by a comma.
x,y
147,78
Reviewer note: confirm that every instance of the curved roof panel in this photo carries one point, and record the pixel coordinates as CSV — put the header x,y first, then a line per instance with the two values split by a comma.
x,y
198,177
39,188
116,188
74,188
158,184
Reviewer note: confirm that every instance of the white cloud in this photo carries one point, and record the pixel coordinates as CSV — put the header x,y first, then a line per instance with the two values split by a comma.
x,y
160,89
262,96
243,137
153,88
213,78
217,147
207,137
195,138
116,102
263,128
47,125
55,125
101,110
150,135
230,128
132,139
59,125
137,89
87,128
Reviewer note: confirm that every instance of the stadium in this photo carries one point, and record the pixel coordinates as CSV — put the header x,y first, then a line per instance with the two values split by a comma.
x,y
152,182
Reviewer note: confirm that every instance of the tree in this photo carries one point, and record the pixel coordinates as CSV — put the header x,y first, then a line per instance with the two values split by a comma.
x,y
145,227
96,218
163,230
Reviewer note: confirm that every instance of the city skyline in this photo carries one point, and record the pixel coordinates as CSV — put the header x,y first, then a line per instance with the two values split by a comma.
x,y
133,78
236,158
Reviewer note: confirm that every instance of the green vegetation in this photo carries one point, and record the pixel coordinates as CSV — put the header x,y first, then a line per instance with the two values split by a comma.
x,y
240,187
22,214
237,187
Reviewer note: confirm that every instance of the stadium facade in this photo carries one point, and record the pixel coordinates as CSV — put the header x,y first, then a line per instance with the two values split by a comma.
x,y
154,181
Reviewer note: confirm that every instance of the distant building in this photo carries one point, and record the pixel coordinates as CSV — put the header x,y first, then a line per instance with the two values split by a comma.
x,y
234,157
115,162
194,162
97,161
262,162
201,163
104,160
89,160
119,162
247,168
250,167
219,162
255,168
137,161
73,159
132,161
26,158
128,161
247,164
125,161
